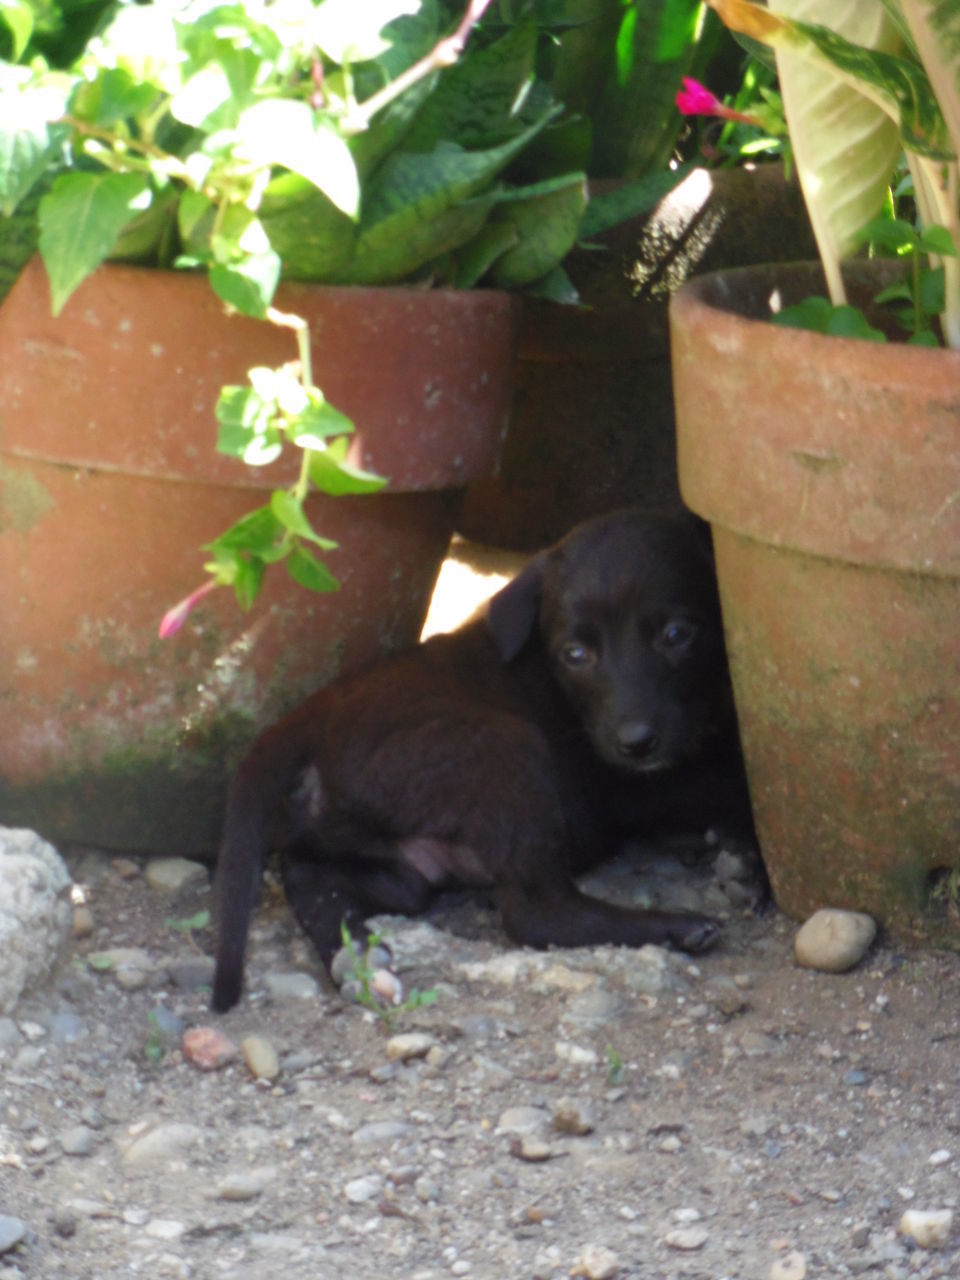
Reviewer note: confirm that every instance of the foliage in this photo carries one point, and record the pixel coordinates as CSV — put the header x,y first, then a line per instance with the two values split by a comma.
x,y
362,982
331,141
862,81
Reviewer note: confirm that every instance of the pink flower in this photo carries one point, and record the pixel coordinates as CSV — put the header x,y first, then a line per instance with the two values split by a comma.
x,y
694,99
174,618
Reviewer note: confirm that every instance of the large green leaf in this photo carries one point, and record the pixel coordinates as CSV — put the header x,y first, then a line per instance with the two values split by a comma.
x,y
81,219
840,106
282,132
28,137
935,28
545,220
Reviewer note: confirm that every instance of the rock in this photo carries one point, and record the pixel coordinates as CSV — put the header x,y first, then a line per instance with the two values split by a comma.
x,y
246,1184
162,1143
577,1055
928,1228
570,1116
380,1134
261,1057
192,974
939,1157
36,916
291,986
792,1266
686,1239
164,1229
173,874
521,1120
125,868
408,1045
833,941
593,1008
360,1190
77,1141
129,966
12,1231
82,922
596,1262
207,1048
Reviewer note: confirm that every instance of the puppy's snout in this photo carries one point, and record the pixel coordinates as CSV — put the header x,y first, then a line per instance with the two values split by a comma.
x,y
636,740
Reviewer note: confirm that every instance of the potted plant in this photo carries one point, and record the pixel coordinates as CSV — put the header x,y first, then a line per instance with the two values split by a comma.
x,y
269,147
829,468
591,419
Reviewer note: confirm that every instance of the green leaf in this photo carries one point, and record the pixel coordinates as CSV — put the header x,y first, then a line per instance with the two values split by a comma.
x,y
893,234
289,512
312,426
478,255
249,579
114,95
821,316
923,338
282,132
306,570
187,924
629,200
939,241
313,238
17,15
259,533
555,286
546,219
332,474
81,219
249,285
846,143
29,138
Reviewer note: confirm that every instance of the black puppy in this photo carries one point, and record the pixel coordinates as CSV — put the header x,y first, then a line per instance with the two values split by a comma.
x,y
590,703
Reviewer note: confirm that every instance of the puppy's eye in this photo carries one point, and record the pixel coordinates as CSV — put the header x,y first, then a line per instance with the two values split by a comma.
x,y
677,636
577,655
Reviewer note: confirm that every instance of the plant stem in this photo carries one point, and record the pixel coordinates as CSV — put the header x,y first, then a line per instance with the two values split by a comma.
x,y
300,327
444,54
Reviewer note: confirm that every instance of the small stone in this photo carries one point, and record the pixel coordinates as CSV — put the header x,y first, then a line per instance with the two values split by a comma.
x,y
77,1141
942,1156
67,1028
12,1231
207,1048
833,941
192,974
64,1222
173,874
164,1229
291,986
260,1057
246,1184
408,1045
82,922
596,1262
163,1142
521,1120
686,1239
360,1190
928,1228
570,1116
531,1149
577,1055
125,868
792,1266
380,1133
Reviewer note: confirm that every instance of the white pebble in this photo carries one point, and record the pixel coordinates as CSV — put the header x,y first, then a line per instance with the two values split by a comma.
x,y
929,1228
411,1044
686,1239
792,1266
833,941
940,1157
164,1229
360,1190
596,1262
172,874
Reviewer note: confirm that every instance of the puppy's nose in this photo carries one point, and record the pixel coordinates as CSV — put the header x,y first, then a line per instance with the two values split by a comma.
x,y
636,739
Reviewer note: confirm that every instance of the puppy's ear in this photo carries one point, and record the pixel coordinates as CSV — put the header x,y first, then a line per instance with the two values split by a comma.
x,y
512,613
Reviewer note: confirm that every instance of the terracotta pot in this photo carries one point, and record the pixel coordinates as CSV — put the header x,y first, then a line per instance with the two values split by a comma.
x,y
110,485
591,422
829,469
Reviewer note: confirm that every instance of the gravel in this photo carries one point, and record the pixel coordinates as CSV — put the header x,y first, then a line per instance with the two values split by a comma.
x,y
635,1115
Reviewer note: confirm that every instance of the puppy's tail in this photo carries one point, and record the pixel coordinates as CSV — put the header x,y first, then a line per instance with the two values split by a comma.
x,y
254,796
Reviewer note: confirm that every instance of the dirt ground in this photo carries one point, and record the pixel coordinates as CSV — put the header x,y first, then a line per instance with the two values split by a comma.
x,y
597,1112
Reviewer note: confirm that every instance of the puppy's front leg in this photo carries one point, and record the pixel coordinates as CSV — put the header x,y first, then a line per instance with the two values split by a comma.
x,y
557,914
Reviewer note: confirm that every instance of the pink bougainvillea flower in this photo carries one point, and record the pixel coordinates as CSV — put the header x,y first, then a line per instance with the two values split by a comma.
x,y
695,99
174,618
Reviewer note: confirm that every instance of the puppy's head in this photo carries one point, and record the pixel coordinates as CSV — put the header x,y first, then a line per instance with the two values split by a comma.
x,y
626,610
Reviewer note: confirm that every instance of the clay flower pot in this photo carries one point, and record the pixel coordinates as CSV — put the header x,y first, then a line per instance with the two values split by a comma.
x,y
829,470
110,485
